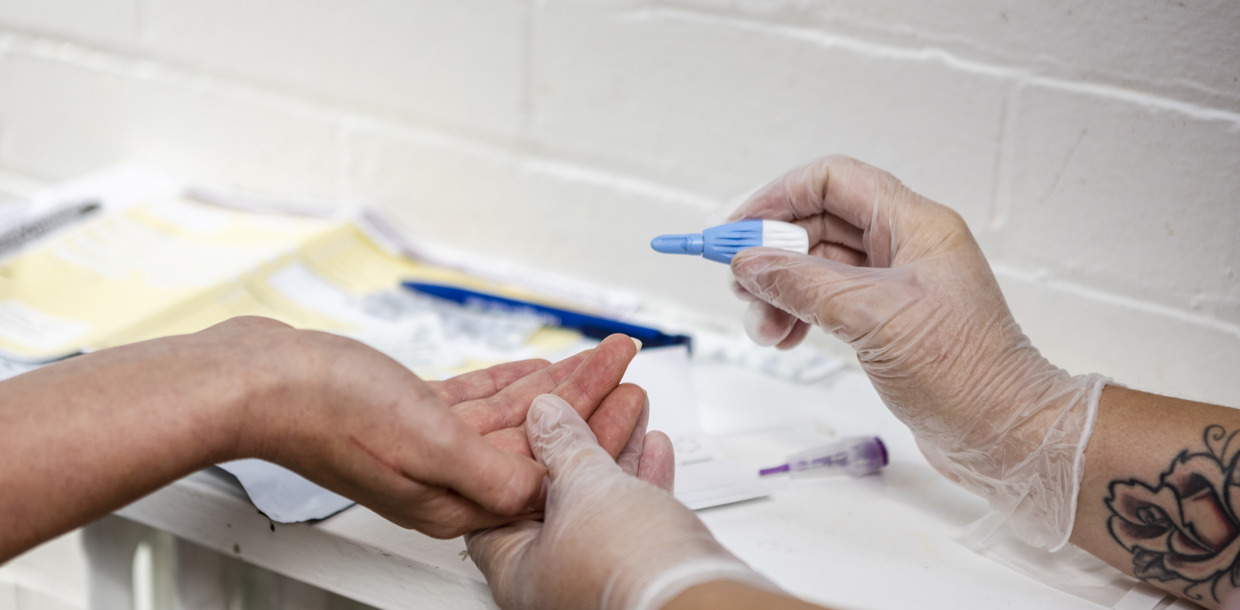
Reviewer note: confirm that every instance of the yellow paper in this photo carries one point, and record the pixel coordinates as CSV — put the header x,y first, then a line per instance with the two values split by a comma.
x,y
179,265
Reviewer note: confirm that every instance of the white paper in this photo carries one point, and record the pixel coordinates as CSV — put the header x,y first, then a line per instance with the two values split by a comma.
x,y
664,373
28,326
717,482
704,476
283,495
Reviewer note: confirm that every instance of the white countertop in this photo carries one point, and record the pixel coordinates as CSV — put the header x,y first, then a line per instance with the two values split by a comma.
x,y
885,541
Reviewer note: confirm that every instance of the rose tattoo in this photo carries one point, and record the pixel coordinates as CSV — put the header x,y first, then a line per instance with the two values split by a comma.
x,y
1186,527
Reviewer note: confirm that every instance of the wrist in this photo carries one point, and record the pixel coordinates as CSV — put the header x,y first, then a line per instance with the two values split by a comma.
x,y
717,594
1034,483
276,385
184,391
228,395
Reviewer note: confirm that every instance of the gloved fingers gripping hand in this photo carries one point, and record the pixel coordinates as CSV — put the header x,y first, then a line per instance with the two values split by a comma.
x,y
901,279
609,540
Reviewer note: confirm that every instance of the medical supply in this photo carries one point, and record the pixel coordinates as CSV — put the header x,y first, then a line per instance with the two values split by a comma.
x,y
595,327
721,243
856,455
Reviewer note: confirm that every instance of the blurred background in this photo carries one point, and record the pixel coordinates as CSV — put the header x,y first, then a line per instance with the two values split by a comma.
x,y
1094,148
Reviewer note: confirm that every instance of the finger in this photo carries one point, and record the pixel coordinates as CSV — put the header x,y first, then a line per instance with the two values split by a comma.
x,y
739,292
799,331
844,300
441,513
506,409
501,482
486,382
561,440
598,375
767,324
829,229
631,455
839,253
617,416
504,542
838,185
500,554
658,462
418,500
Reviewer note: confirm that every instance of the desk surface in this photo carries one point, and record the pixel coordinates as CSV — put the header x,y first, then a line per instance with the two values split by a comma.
x,y
886,541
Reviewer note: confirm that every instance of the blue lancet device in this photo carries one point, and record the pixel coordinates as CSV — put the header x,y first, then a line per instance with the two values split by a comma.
x,y
721,243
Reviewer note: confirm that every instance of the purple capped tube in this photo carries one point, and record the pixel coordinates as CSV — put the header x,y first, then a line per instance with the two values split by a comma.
x,y
857,455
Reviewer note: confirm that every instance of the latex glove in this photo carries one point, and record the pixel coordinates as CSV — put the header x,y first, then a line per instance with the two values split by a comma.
x,y
610,540
901,279
443,458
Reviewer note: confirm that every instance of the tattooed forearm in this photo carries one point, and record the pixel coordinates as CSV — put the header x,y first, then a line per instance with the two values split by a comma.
x,y
1184,531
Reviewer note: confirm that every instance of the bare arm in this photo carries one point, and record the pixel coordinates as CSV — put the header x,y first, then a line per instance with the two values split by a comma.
x,y
88,435
730,595
1160,493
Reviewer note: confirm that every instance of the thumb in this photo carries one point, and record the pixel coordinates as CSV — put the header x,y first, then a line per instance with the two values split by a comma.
x,y
561,439
842,299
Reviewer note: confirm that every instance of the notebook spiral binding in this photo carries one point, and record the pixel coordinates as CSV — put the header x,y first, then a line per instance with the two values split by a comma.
x,y
21,235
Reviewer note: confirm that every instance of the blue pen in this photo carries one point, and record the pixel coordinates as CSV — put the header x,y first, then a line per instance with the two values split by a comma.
x,y
594,327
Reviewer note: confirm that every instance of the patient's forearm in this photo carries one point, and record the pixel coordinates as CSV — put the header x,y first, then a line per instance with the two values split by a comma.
x,y
88,435
1160,494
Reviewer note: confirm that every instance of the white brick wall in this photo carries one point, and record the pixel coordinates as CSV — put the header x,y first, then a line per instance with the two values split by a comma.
x,y
721,105
457,64
106,23
66,110
1093,148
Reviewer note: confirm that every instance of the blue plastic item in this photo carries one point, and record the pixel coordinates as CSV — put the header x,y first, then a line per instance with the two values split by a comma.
x,y
721,243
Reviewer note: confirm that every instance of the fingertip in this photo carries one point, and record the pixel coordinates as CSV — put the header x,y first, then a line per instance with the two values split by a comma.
x,y
740,292
795,336
767,325
750,266
658,461
629,457
741,258
554,429
617,415
510,486
598,374
622,339
545,411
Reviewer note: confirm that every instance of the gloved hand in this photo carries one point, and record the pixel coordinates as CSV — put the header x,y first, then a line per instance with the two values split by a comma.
x,y
610,539
901,279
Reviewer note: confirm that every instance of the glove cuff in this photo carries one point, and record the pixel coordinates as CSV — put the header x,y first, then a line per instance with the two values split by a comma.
x,y
667,585
1043,516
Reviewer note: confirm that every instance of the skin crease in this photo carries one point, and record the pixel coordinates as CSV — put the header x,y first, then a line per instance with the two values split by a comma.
x,y
88,435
